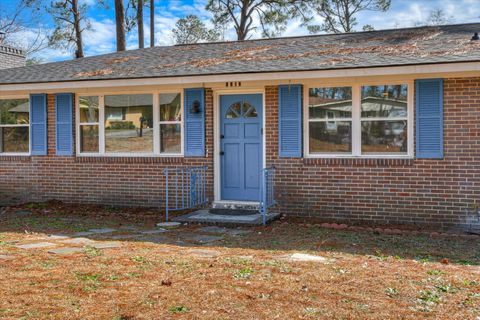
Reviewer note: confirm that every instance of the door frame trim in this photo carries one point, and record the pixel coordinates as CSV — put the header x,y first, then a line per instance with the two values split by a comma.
x,y
216,133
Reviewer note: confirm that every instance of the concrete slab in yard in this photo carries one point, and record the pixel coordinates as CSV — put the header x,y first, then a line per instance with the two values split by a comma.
x,y
154,231
83,234
303,257
106,245
200,238
80,241
228,231
102,230
169,242
129,228
36,245
170,224
66,251
160,239
125,236
92,232
58,236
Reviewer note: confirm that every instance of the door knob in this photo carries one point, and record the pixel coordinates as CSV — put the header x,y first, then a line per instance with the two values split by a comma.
x,y
222,153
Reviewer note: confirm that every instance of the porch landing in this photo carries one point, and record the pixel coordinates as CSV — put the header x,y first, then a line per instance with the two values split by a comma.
x,y
205,217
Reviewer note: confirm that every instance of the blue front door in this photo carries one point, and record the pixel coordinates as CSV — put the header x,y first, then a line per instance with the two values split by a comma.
x,y
241,146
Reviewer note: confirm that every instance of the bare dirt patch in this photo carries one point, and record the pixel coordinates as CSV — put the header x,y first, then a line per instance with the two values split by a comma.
x,y
365,275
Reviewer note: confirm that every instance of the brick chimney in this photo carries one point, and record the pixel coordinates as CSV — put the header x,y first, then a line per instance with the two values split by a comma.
x,y
10,57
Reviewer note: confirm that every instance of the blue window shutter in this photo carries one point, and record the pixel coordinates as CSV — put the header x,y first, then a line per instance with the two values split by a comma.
x,y
194,144
290,120
64,124
429,114
38,124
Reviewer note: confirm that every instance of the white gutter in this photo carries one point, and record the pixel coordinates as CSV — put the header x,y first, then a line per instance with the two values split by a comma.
x,y
472,68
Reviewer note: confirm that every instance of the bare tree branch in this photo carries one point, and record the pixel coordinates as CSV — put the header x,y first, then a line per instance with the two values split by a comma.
x,y
340,15
272,14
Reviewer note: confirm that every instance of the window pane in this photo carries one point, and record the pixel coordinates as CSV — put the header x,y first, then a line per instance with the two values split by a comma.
x,y
330,103
387,101
89,138
170,138
384,136
88,109
14,139
129,123
330,136
170,107
249,111
234,111
14,111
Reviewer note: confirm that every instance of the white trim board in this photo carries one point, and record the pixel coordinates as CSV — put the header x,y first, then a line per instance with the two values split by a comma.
x,y
416,71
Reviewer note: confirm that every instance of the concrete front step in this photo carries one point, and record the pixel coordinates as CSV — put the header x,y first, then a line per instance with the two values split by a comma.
x,y
205,217
233,205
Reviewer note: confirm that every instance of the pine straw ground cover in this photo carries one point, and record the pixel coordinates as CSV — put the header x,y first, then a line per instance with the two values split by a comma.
x,y
367,276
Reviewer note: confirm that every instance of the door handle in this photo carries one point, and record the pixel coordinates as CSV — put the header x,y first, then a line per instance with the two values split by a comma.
x,y
222,136
222,153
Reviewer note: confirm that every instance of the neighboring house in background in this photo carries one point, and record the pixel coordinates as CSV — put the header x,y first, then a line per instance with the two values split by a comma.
x,y
10,57
369,127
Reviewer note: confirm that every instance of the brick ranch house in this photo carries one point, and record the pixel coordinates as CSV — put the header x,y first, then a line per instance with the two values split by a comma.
x,y
371,127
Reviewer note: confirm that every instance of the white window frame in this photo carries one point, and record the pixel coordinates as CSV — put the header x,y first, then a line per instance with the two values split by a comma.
x,y
28,153
160,122
325,120
80,124
156,124
356,121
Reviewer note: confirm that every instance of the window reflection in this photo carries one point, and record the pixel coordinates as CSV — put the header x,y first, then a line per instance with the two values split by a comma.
x,y
129,123
388,101
384,119
170,123
330,124
88,109
14,125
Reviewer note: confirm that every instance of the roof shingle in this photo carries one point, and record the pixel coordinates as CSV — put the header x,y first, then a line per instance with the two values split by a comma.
x,y
423,45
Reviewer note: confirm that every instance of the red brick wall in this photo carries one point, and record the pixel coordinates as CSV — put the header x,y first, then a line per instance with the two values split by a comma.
x,y
106,180
434,192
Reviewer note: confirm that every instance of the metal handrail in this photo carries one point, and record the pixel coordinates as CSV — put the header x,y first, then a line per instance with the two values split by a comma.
x,y
267,191
185,188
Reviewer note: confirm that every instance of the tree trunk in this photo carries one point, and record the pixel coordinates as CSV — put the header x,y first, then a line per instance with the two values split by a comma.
x,y
152,23
241,35
140,24
120,24
78,30
242,29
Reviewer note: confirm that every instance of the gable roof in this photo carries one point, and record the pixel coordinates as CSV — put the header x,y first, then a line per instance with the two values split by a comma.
x,y
396,47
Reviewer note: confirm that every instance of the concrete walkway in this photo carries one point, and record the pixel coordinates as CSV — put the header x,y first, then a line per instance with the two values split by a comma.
x,y
109,238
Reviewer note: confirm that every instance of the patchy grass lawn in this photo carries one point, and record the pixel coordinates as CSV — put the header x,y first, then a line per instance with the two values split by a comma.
x,y
366,276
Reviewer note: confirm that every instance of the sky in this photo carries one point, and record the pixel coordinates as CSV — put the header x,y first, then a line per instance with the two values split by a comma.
x,y
100,38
